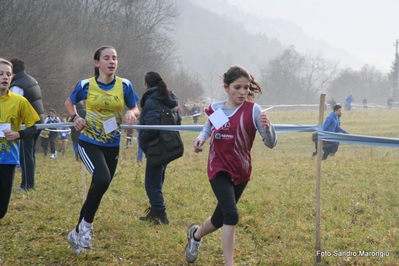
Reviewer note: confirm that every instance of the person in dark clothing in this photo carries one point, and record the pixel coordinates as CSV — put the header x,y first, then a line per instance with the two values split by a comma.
x,y
81,110
25,85
156,89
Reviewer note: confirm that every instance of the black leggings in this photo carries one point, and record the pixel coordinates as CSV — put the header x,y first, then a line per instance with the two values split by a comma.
x,y
53,136
227,195
101,162
7,173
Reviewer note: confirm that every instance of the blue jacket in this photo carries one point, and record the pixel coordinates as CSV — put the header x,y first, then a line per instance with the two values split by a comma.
x,y
151,114
332,124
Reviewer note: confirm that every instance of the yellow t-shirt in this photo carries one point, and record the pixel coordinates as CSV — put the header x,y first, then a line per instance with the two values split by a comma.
x,y
16,110
102,107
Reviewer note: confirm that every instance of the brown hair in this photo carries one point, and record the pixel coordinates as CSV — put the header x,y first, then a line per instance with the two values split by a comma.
x,y
236,72
6,62
97,56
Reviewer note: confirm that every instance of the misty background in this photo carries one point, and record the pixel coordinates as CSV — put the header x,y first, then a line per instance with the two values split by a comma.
x,y
191,43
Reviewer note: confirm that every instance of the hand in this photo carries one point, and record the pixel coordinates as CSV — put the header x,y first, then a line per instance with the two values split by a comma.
x,y
198,145
79,123
11,135
130,118
265,121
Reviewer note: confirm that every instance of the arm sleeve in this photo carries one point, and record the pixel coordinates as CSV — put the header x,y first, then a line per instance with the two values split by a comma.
x,y
340,129
269,137
27,132
150,116
206,131
326,124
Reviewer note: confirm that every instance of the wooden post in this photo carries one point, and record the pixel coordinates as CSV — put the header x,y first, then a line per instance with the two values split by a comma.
x,y
318,182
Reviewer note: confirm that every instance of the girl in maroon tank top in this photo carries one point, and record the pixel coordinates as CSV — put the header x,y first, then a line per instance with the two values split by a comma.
x,y
231,128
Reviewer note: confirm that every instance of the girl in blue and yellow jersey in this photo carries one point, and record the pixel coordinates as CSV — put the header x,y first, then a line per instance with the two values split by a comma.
x,y
14,110
105,95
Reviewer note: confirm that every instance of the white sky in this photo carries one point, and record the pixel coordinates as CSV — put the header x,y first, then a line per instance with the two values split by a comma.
x,y
366,29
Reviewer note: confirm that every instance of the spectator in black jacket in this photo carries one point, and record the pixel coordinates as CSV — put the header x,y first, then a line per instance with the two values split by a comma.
x,y
156,92
27,86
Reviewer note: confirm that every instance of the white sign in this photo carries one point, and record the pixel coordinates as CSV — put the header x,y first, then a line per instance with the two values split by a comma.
x,y
218,118
4,126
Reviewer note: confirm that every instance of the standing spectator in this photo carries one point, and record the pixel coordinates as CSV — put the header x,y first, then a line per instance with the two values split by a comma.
x,y
332,124
15,110
348,102
332,103
63,137
365,103
81,111
99,142
25,85
44,140
185,108
196,112
53,134
156,93
229,161
390,102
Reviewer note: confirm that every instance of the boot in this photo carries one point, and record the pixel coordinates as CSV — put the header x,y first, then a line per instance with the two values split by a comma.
x,y
157,217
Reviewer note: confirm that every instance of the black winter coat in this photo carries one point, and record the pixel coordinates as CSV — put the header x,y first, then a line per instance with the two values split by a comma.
x,y
32,91
151,114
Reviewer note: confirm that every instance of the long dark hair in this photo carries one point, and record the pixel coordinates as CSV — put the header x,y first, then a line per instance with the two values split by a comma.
x,y
97,56
153,79
235,72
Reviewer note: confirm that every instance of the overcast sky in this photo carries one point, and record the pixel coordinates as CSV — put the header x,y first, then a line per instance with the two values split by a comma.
x,y
367,29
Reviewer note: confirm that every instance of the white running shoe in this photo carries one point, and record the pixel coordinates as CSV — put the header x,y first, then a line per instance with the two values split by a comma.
x,y
192,248
73,240
85,234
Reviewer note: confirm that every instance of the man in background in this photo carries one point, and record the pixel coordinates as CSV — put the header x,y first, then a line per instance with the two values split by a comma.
x,y
332,124
25,85
348,102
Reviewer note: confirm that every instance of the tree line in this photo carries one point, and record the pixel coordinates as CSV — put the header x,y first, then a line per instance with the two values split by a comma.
x,y
292,77
57,40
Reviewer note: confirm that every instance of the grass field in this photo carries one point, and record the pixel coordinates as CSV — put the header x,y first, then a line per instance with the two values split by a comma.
x,y
360,206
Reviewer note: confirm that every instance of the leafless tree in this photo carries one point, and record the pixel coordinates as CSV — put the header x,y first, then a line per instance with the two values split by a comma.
x,y
366,83
57,39
295,78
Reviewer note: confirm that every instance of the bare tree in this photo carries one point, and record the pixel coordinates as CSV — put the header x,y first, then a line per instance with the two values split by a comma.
x,y
186,85
368,82
57,38
295,78
281,78
318,73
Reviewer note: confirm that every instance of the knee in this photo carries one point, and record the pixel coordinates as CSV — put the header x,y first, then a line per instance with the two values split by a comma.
x,y
231,218
102,183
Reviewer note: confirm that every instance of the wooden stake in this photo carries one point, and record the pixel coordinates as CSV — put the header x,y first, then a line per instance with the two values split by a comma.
x,y
318,182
